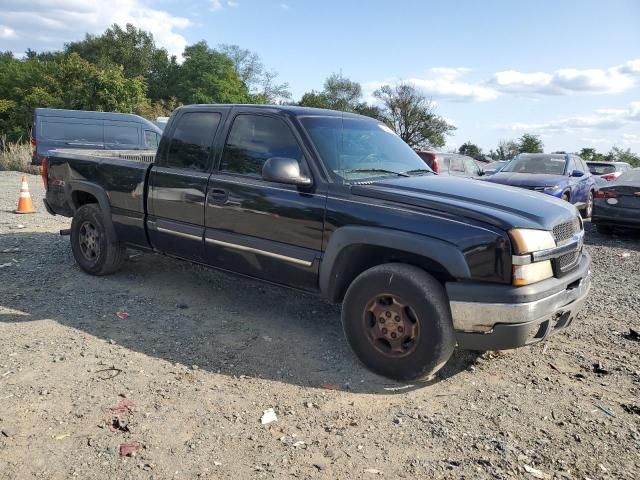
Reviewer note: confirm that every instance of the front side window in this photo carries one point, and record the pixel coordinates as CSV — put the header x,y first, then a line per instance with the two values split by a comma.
x,y
254,139
151,139
470,167
190,146
354,148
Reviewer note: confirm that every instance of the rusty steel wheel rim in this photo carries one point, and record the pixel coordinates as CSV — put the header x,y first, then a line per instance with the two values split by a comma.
x,y
391,325
89,240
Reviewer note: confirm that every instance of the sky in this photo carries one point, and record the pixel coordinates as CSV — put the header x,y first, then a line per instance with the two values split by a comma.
x,y
568,70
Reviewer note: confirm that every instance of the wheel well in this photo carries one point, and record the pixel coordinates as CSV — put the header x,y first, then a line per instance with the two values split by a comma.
x,y
81,198
355,259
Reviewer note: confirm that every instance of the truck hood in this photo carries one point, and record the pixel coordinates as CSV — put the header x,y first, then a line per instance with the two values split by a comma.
x,y
527,179
497,205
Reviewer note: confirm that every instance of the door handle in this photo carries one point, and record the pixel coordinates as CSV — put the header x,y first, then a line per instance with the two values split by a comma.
x,y
217,196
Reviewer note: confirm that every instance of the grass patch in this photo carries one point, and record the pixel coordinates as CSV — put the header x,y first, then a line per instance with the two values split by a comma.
x,y
16,157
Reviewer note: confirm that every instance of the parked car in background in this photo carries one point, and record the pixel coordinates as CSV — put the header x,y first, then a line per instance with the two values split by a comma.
x,y
608,170
565,176
617,204
451,164
494,167
79,129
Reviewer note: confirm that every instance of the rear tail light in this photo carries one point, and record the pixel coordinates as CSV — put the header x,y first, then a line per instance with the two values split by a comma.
x,y
436,166
606,194
609,177
45,160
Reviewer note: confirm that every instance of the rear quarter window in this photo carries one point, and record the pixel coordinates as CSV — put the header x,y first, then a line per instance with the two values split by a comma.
x,y
192,140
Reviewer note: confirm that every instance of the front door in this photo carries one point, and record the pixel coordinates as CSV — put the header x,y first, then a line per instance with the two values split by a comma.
x,y
260,228
178,185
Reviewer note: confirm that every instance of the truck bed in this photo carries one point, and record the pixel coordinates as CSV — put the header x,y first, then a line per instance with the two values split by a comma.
x,y
115,178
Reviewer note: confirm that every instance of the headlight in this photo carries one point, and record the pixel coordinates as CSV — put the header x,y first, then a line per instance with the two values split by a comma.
x,y
531,273
527,240
554,188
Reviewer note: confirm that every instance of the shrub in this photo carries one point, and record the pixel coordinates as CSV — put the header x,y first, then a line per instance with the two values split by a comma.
x,y
16,156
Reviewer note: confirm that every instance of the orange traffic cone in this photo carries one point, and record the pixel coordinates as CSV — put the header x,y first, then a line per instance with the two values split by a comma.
x,y
24,201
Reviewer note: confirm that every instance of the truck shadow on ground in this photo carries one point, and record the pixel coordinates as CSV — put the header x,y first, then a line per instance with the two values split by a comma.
x,y
189,315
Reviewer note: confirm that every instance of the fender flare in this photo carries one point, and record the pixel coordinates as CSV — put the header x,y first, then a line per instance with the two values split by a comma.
x,y
438,251
99,193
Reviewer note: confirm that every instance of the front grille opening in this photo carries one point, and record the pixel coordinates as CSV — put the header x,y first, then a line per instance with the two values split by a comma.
x,y
564,231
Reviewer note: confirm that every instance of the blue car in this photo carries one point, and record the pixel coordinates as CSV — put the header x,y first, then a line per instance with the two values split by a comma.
x,y
565,176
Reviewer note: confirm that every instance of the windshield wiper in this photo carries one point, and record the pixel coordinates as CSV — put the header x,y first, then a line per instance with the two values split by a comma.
x,y
419,170
376,170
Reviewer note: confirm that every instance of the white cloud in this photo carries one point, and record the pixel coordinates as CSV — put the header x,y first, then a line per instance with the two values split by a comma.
x,y
6,32
59,21
568,81
233,4
601,119
215,5
441,83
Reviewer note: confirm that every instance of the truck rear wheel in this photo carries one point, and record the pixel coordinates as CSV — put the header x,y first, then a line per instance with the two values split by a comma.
x,y
397,320
95,249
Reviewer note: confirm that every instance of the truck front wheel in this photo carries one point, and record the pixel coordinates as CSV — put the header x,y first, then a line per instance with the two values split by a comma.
x,y
397,320
95,249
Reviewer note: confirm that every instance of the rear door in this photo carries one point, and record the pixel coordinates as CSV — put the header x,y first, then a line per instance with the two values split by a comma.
x,y
260,228
178,184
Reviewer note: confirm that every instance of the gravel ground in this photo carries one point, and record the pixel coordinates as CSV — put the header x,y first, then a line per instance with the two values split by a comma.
x,y
202,355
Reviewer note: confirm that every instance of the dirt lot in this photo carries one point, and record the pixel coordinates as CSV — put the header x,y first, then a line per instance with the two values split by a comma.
x,y
202,355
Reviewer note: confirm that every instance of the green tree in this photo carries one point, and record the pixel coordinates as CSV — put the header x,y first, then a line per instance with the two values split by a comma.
x,y
619,155
507,149
529,143
339,93
208,76
412,116
260,83
470,149
133,49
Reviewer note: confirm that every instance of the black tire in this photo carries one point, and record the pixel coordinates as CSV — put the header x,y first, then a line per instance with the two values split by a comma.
x,y
588,208
94,247
604,229
426,311
565,196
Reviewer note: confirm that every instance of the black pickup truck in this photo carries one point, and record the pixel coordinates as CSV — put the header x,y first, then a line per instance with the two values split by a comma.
x,y
336,204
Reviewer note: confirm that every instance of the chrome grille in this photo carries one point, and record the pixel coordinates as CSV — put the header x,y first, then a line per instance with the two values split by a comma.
x,y
564,231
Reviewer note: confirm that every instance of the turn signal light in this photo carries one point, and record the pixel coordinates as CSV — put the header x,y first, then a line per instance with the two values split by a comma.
x,y
606,194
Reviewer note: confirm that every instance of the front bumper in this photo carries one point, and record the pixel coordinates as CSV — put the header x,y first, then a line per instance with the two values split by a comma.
x,y
521,318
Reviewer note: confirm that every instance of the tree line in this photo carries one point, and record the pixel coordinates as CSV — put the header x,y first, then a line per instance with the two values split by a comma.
x,y
530,143
123,70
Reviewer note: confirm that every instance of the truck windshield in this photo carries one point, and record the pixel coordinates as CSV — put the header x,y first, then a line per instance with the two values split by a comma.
x,y
354,149
545,165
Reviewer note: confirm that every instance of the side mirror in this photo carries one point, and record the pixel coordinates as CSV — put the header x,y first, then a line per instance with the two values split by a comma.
x,y
577,173
481,172
284,170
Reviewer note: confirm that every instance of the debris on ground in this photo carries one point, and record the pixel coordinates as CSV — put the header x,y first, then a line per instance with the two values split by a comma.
x,y
129,449
124,406
398,389
632,335
330,386
122,315
268,416
534,472
631,408
599,368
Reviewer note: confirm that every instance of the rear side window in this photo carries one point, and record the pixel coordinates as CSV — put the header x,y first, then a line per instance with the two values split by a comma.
x,y
72,132
457,164
253,139
121,135
192,139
